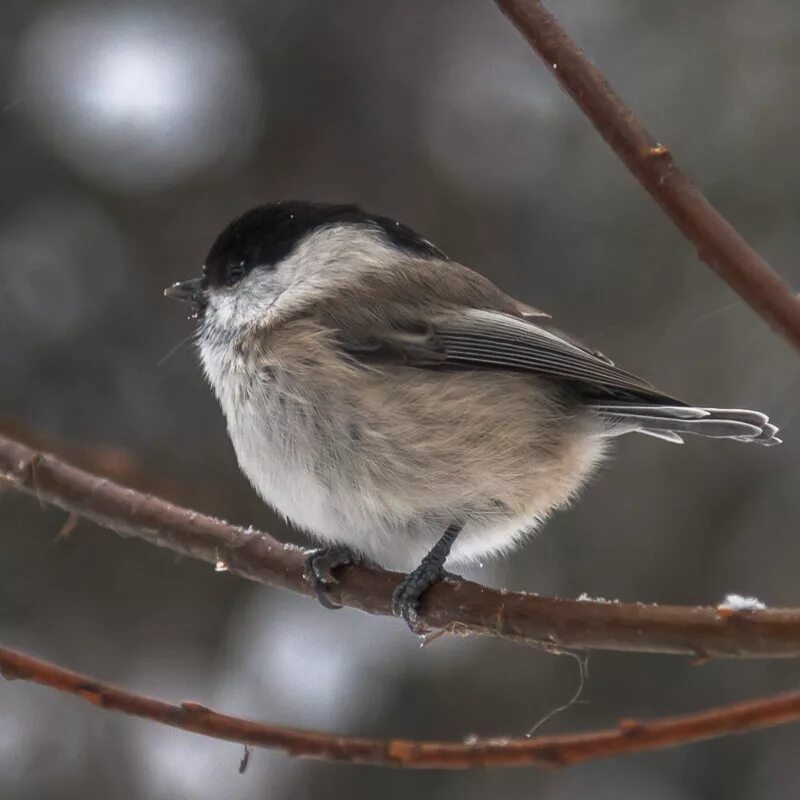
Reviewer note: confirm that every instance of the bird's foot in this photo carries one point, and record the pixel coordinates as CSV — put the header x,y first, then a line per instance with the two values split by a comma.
x,y
319,568
408,595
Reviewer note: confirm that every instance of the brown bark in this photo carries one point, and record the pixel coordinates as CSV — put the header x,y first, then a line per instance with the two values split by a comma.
x,y
461,606
630,736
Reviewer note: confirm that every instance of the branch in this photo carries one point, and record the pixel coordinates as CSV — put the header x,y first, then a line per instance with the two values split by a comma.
x,y
457,606
718,243
629,736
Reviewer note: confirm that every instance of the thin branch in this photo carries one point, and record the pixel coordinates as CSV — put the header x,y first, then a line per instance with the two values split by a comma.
x,y
630,736
718,244
458,606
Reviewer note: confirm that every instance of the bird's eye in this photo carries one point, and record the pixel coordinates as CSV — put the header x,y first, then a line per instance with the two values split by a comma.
x,y
236,272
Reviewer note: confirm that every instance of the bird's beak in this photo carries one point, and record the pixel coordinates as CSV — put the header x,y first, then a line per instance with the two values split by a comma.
x,y
190,291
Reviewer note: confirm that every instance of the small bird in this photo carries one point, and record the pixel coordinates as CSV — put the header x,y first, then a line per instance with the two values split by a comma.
x,y
398,406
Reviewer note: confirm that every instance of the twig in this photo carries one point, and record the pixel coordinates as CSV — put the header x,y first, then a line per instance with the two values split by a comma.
x,y
459,606
629,736
718,244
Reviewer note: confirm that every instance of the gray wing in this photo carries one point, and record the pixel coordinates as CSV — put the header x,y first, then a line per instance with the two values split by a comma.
x,y
484,339
501,340
496,340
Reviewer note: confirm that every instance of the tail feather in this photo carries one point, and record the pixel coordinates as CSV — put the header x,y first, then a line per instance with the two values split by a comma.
x,y
666,436
669,422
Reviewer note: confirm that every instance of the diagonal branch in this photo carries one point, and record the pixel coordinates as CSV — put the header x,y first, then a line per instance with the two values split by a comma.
x,y
630,736
717,242
462,607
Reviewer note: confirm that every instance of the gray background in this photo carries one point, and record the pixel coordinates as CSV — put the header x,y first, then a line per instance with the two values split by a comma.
x,y
131,133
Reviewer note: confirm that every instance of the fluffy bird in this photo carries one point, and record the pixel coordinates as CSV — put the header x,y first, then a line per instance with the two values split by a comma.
x,y
398,406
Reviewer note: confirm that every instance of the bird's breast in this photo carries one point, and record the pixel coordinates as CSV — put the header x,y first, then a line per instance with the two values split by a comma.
x,y
285,451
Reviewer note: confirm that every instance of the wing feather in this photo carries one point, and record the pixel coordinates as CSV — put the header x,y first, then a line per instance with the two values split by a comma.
x,y
484,339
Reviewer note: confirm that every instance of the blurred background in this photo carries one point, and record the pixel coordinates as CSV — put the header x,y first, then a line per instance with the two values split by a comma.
x,y
132,132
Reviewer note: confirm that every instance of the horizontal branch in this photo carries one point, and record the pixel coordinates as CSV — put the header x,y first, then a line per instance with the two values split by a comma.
x,y
718,244
630,736
458,606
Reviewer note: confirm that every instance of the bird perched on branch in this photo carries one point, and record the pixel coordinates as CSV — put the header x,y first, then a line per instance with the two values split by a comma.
x,y
398,406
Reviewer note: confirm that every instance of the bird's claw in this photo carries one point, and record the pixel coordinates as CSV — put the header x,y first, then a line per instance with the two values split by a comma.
x,y
407,596
319,567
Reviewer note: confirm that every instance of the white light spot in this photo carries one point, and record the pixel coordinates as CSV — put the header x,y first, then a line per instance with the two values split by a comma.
x,y
139,97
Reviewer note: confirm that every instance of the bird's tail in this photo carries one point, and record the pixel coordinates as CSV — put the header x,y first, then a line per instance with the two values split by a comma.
x,y
669,422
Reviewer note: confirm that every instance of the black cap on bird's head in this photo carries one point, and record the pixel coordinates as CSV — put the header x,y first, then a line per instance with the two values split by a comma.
x,y
264,236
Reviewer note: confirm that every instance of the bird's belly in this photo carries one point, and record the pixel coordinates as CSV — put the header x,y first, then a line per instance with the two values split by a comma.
x,y
364,519
340,478
282,472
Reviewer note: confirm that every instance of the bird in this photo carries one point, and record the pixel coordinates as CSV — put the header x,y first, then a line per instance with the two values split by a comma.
x,y
399,407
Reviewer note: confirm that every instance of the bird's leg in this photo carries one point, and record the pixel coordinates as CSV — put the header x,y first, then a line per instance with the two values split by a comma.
x,y
320,565
405,601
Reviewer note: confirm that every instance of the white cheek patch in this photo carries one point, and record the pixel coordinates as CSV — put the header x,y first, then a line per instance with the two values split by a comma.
x,y
244,305
222,308
323,261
